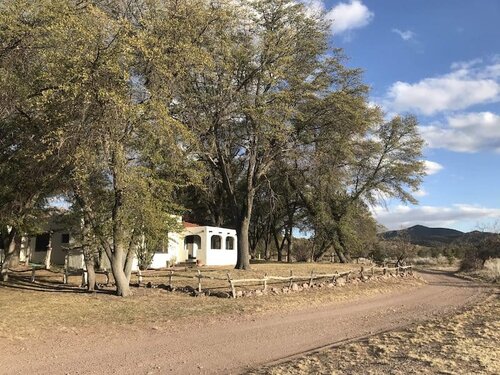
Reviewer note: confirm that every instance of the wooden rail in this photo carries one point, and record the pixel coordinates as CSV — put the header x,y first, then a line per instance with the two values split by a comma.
x,y
313,276
268,279
364,273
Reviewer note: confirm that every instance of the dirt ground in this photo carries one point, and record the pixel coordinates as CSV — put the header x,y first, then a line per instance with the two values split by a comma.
x,y
31,309
250,334
465,343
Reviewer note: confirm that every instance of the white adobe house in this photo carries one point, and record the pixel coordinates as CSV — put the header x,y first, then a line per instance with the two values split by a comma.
x,y
203,245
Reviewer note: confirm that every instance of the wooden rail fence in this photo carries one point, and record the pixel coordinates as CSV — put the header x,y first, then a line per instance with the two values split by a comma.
x,y
268,279
364,273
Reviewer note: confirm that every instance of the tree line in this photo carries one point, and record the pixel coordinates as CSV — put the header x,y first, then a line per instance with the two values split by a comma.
x,y
235,113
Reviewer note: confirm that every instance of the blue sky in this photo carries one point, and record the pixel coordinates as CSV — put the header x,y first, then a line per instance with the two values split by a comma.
x,y
439,60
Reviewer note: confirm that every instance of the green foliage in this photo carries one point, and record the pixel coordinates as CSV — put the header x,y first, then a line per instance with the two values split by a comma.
x,y
264,59
239,110
95,100
302,249
398,249
378,159
476,253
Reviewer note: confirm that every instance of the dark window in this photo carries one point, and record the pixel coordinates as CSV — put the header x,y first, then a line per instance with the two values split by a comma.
x,y
216,242
65,238
229,243
42,241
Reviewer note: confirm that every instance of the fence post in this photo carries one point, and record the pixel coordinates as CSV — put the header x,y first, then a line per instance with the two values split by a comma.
x,y
373,271
311,279
32,274
65,274
265,281
335,276
106,273
291,279
347,276
233,292
199,281
361,272
384,271
170,278
84,277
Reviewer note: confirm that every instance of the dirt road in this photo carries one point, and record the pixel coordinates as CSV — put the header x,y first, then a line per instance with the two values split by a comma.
x,y
231,346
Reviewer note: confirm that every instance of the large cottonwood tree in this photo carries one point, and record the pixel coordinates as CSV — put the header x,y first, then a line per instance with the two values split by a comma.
x,y
264,59
104,95
384,162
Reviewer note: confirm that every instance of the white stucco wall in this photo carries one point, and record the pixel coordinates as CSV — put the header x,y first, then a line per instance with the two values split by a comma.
x,y
214,257
176,249
220,257
57,255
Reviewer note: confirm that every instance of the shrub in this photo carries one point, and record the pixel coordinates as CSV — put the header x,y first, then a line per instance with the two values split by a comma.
x,y
476,254
302,250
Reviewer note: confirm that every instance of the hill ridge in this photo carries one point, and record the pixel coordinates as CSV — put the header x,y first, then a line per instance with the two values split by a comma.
x,y
431,236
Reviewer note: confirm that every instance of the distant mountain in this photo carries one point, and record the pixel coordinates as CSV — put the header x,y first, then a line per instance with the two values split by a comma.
x,y
425,236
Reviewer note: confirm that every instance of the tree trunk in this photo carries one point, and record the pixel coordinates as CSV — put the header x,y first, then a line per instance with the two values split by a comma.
x,y
48,254
129,262
341,255
243,261
289,249
117,267
267,252
243,232
89,251
279,245
342,252
118,259
118,255
28,252
14,260
289,230
92,284
319,251
9,248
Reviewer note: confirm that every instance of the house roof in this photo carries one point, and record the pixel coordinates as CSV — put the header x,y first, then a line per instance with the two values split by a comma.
x,y
187,224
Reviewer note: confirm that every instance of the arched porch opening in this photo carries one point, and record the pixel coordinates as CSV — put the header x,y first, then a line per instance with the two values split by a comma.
x,y
192,245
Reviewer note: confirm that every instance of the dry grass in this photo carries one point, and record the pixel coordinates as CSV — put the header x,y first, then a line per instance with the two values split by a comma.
x,y
466,343
490,272
28,312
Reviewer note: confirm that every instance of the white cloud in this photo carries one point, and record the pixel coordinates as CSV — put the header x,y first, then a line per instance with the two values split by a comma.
x,y
405,35
433,95
457,65
467,132
421,193
469,83
348,16
406,216
431,167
